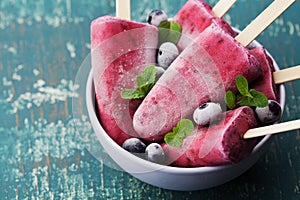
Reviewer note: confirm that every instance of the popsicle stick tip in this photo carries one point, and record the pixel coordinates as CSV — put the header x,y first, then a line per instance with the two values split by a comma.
x,y
222,7
286,75
262,21
272,129
123,9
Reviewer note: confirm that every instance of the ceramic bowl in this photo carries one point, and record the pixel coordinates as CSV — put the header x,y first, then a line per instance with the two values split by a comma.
x,y
168,177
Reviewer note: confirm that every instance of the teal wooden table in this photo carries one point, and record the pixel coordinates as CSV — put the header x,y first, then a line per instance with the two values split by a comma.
x,y
46,154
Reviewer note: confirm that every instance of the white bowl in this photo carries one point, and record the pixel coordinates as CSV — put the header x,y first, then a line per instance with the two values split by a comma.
x,y
169,177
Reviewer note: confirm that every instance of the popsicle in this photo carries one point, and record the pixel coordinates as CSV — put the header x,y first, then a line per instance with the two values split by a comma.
x,y
120,50
194,17
218,144
203,72
265,83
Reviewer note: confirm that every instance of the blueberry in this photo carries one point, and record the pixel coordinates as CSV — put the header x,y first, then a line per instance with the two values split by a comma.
x,y
269,114
159,72
134,145
155,153
167,53
207,113
156,17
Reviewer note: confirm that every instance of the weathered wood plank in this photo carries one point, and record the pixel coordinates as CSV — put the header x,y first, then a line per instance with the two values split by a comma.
x,y
42,156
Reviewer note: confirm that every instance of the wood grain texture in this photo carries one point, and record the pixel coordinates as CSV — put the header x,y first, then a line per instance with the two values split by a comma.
x,y
46,154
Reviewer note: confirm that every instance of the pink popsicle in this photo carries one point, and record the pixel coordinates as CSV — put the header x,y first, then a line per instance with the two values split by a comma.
x,y
203,72
218,144
265,83
194,17
120,50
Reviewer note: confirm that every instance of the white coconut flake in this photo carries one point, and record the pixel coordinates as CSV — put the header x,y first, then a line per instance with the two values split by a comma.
x,y
71,48
12,50
88,45
36,72
38,18
16,77
20,20
291,28
6,82
39,83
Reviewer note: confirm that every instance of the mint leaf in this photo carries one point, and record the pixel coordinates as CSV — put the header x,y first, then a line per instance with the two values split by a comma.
x,y
242,85
230,99
169,32
172,139
183,129
144,82
132,94
245,101
174,26
145,89
147,77
259,99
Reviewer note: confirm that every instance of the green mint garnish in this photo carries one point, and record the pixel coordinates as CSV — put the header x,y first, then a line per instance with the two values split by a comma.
x,y
242,85
183,129
169,32
230,100
144,83
245,97
258,99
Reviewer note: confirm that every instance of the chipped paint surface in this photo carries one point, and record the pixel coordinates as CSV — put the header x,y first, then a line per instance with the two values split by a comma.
x,y
46,153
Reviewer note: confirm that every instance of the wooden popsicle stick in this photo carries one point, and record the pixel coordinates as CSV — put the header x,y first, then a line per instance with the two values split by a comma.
x,y
222,7
272,129
123,9
262,21
286,75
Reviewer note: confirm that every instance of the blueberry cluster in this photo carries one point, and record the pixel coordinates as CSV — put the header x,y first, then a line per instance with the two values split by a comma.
x,y
153,152
168,51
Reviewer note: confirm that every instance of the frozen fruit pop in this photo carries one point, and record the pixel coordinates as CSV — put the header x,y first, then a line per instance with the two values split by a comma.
x,y
194,17
265,83
218,144
203,72
120,50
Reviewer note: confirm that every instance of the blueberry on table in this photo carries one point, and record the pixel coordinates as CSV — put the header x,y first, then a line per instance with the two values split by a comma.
x,y
207,113
134,145
167,53
156,17
155,153
270,114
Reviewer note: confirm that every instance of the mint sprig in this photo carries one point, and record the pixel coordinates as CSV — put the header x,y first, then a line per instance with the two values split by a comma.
x,y
169,31
183,129
144,83
245,97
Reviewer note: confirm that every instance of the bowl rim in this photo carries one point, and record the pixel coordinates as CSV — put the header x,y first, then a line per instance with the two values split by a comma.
x,y
90,103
